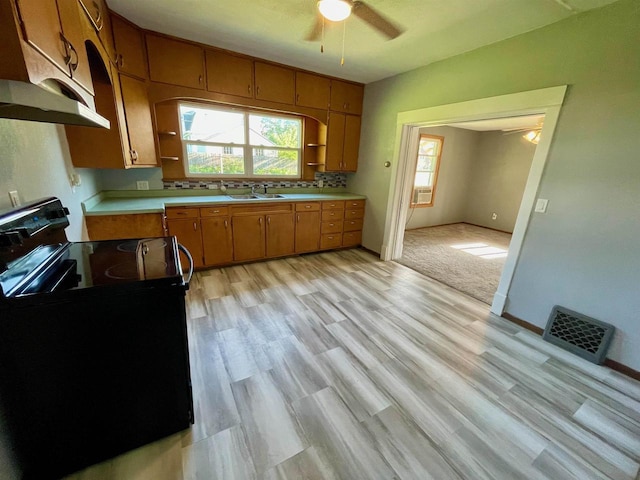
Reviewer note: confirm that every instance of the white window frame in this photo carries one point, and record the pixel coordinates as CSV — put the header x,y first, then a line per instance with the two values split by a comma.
x,y
434,173
246,146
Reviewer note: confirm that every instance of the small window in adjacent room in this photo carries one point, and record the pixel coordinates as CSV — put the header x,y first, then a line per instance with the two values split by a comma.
x,y
221,142
427,164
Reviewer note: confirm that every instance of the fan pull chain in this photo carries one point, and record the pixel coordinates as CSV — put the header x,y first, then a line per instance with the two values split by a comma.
x,y
344,34
322,42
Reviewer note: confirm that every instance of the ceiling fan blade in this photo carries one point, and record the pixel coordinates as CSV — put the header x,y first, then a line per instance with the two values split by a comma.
x,y
375,19
316,31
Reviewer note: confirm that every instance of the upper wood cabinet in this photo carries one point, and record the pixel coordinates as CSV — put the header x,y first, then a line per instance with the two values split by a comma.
x,y
142,149
229,74
54,29
312,90
130,54
175,62
346,97
343,141
98,15
274,83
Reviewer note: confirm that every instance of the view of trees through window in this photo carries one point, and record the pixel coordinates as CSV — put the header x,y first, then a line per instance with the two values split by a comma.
x,y
223,142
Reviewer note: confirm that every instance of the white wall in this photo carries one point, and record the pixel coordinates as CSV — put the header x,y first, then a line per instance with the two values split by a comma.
x,y
497,179
453,179
35,161
584,253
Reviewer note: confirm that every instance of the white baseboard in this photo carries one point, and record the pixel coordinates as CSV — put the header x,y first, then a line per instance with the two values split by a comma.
x,y
499,301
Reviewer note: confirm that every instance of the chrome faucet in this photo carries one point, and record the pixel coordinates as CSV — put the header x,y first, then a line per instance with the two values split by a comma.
x,y
253,189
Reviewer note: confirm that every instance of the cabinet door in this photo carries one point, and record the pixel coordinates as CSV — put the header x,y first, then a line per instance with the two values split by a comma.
x,y
98,14
275,84
351,143
113,227
41,28
335,142
188,233
248,237
307,231
229,74
217,240
280,235
346,97
175,62
69,11
139,124
130,56
312,90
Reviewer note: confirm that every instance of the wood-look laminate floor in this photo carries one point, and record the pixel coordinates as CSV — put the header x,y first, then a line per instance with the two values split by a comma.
x,y
340,366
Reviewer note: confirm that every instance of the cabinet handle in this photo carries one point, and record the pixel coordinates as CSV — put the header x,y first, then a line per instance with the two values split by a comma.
x,y
99,19
119,61
331,224
258,90
73,64
134,156
181,213
226,224
260,220
307,206
195,226
344,106
268,220
249,89
297,98
298,219
200,79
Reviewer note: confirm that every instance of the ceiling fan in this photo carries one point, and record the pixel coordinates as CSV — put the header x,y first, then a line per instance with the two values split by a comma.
x,y
338,10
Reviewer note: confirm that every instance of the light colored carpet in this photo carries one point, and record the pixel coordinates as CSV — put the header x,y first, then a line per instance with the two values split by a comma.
x,y
429,251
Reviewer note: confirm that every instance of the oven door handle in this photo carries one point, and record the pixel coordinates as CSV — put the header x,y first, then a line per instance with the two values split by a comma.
x,y
184,250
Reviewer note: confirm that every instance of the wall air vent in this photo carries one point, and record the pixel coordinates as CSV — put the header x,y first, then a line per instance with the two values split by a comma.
x,y
586,337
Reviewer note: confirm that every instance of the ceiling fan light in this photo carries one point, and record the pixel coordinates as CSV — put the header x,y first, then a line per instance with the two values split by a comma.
x,y
334,10
533,136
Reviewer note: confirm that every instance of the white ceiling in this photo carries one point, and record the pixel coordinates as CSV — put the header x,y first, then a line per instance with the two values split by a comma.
x,y
275,29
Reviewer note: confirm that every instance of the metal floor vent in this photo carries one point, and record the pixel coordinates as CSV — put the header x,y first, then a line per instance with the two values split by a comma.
x,y
586,337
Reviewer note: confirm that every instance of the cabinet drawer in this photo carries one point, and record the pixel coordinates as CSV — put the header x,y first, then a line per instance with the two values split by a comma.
x,y
353,225
349,239
354,204
338,205
332,215
354,213
330,240
182,213
307,206
214,211
331,227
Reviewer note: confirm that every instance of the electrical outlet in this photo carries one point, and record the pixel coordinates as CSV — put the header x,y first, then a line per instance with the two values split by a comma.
x,y
494,216
15,199
212,186
320,183
142,185
541,205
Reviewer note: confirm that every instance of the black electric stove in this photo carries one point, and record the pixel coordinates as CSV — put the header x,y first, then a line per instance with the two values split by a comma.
x,y
93,344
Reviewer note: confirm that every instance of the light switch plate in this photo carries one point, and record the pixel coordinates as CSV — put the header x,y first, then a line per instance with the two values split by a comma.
x,y
15,199
142,185
541,205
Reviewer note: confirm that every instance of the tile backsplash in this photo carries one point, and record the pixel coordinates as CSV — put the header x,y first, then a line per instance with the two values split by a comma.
x,y
329,179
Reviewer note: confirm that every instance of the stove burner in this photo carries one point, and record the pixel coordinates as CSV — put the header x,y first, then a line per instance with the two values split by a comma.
x,y
130,271
132,246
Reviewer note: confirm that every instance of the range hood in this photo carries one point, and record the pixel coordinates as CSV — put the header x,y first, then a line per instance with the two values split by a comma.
x,y
42,103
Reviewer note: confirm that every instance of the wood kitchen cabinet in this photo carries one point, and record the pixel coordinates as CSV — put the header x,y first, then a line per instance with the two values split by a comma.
x,y
248,237
130,54
343,142
175,62
279,238
184,224
346,97
312,90
217,238
98,15
229,74
129,143
54,29
307,227
274,83
111,227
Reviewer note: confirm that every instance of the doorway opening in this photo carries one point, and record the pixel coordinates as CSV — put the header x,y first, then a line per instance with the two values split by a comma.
x,y
469,182
545,102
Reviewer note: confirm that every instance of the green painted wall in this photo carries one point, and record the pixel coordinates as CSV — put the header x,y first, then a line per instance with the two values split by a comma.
x,y
584,252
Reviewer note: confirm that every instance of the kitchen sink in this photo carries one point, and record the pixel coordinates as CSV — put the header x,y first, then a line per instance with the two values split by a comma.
x,y
269,195
242,197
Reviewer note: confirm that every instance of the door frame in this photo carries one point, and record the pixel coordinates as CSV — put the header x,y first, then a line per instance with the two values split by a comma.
x,y
546,101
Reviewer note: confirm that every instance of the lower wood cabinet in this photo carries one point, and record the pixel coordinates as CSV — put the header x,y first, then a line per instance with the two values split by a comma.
x,y
307,231
248,237
187,230
217,240
279,239
113,227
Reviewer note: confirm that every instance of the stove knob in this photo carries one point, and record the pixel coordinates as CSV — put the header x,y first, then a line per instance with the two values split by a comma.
x,y
57,213
8,239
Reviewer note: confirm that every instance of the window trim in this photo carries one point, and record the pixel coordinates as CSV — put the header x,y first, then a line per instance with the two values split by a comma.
x,y
435,171
247,146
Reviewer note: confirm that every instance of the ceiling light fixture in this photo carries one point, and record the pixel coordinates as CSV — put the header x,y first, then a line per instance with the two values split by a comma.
x,y
334,10
532,136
